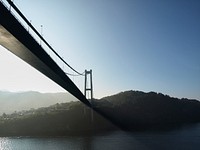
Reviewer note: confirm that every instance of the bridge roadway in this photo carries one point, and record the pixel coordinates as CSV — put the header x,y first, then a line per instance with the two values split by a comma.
x,y
15,38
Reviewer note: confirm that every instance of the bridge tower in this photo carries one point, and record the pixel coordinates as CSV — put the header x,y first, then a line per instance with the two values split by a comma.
x,y
89,89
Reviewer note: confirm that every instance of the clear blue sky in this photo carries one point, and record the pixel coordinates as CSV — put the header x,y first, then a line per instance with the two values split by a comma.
x,y
147,45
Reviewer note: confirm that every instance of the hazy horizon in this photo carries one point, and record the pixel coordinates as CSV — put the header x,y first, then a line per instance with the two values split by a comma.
x,y
66,92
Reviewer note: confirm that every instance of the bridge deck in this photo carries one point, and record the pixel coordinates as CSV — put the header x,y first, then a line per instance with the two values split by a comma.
x,y
15,38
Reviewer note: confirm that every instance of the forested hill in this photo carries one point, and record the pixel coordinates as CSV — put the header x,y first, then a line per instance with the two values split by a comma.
x,y
136,109
131,110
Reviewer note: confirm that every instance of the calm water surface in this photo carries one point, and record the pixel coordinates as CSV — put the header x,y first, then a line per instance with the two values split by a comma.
x,y
187,138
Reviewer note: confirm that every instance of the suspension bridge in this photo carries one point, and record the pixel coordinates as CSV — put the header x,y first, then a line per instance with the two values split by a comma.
x,y
18,40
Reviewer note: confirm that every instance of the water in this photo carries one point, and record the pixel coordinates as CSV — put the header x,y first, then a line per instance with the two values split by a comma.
x,y
187,138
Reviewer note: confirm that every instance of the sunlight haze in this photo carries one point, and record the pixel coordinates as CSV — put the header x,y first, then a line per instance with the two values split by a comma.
x,y
16,75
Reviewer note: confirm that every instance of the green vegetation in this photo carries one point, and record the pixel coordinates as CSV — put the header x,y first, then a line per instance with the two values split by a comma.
x,y
132,110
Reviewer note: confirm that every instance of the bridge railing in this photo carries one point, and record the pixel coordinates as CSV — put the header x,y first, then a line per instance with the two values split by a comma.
x,y
19,20
38,37
26,26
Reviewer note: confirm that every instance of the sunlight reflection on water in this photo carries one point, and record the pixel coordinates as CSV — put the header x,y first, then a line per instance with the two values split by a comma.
x,y
5,144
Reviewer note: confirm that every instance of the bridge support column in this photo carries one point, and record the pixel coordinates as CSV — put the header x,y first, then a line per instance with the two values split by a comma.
x,y
89,90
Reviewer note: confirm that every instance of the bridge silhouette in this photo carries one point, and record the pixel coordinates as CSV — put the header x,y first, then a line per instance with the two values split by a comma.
x,y
18,40
15,38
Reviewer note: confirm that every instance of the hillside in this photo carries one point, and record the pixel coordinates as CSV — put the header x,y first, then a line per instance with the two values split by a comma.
x,y
135,109
71,118
130,110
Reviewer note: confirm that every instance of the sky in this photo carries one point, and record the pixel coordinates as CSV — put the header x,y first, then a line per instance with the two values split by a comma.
x,y
129,44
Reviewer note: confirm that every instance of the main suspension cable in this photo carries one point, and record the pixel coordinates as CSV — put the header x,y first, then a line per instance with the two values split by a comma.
x,y
40,36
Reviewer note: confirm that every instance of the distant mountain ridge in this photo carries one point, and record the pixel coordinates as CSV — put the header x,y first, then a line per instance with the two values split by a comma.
x,y
134,95
16,101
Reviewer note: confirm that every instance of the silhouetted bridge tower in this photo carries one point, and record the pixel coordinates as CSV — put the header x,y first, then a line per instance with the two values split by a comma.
x,y
88,87
88,90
